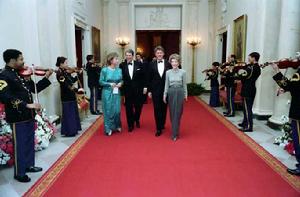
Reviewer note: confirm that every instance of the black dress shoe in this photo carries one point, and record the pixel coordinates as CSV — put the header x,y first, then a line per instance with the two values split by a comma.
x,y
34,169
158,133
138,124
130,129
246,130
225,113
241,125
294,171
23,179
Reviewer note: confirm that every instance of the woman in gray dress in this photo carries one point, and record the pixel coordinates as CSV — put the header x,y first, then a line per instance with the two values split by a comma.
x,y
175,93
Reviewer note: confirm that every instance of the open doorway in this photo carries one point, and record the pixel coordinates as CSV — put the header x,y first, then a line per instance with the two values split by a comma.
x,y
224,47
78,44
147,40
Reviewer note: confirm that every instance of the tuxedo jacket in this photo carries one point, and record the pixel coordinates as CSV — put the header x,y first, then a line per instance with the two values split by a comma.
x,y
156,83
133,86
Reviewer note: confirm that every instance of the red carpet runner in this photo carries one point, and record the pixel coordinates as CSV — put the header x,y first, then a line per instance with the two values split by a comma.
x,y
211,158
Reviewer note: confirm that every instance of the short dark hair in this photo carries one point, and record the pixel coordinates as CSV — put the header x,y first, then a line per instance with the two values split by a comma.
x,y
255,55
129,51
60,60
233,56
216,64
159,48
89,57
11,54
138,53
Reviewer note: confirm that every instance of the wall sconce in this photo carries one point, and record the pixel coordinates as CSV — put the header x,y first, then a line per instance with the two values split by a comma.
x,y
193,42
122,42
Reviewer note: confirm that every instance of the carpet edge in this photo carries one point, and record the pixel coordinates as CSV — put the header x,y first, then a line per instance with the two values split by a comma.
x,y
41,186
269,159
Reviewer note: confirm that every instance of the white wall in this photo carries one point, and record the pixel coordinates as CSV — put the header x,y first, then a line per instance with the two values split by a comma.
x,y
266,19
119,19
43,30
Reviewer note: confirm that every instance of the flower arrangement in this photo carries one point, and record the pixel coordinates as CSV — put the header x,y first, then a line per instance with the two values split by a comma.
x,y
44,131
6,142
285,140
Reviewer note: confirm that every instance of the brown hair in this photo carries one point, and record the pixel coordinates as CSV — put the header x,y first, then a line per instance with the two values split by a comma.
x,y
159,48
175,56
110,57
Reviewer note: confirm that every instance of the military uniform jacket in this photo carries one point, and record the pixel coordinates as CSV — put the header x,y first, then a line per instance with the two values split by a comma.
x,y
248,77
93,75
15,93
229,79
67,85
293,86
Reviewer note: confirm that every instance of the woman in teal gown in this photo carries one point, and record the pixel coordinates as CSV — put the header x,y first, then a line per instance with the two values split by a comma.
x,y
111,80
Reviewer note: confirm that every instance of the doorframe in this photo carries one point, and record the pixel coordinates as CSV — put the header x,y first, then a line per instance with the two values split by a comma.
x,y
86,43
219,47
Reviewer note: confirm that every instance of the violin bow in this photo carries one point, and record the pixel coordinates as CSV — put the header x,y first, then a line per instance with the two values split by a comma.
x,y
35,87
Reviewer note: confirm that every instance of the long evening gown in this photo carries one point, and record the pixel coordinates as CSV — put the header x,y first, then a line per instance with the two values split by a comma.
x,y
111,102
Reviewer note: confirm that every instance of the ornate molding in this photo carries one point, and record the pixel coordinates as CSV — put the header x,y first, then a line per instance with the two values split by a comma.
x,y
158,18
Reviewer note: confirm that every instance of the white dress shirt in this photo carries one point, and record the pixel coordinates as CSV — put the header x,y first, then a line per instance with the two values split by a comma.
x,y
130,69
161,67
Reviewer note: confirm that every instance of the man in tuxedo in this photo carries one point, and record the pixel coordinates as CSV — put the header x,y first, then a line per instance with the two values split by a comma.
x,y
156,84
134,89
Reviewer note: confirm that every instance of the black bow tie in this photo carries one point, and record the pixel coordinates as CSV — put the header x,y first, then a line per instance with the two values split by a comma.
x,y
130,63
160,61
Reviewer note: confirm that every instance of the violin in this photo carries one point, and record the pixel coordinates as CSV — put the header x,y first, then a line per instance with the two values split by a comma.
x,y
208,70
27,71
228,65
70,70
285,63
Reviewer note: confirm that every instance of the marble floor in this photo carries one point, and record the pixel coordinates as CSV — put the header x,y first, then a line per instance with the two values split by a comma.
x,y
263,135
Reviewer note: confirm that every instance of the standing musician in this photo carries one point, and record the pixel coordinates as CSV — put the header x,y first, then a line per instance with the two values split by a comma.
x,y
70,123
15,93
248,76
229,79
212,75
93,72
293,86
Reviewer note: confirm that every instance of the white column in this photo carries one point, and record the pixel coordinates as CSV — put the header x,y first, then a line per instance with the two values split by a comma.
x,y
289,40
264,100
